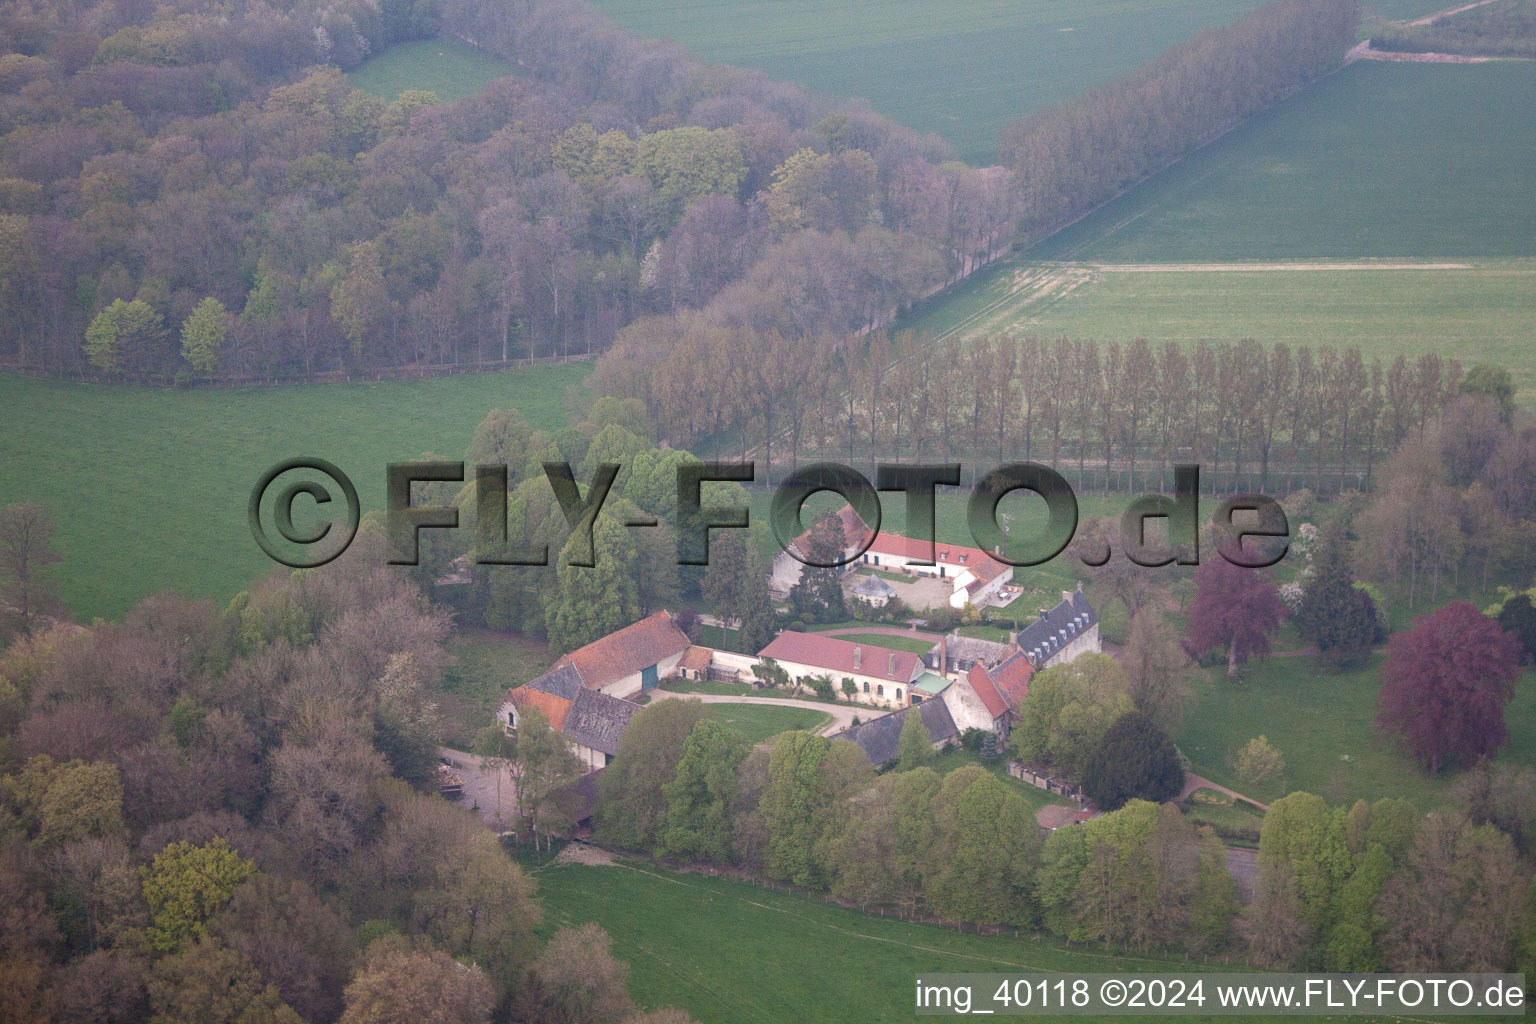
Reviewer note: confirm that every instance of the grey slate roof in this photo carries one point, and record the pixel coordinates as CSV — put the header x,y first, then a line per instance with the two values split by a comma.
x,y
562,681
971,650
880,737
1056,628
597,720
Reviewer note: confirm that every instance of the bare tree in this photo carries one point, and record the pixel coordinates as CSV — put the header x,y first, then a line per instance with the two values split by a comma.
x,y
26,552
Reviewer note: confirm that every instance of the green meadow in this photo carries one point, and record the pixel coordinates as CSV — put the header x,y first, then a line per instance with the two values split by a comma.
x,y
1388,206
487,665
148,487
733,953
1477,311
980,64
452,69
1380,160
1322,722
758,722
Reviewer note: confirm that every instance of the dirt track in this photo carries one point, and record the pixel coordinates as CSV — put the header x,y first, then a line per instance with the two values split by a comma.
x,y
1203,268
1363,50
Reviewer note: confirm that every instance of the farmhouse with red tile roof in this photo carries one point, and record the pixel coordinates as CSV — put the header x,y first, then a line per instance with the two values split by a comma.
x,y
882,675
631,660
975,576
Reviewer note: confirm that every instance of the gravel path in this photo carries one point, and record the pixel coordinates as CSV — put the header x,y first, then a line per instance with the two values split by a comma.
x,y
1194,782
480,787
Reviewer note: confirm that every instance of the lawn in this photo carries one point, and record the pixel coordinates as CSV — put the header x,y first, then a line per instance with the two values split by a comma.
x,y
1034,797
1323,724
1236,822
729,952
981,64
452,69
997,636
758,722
148,487
912,645
489,664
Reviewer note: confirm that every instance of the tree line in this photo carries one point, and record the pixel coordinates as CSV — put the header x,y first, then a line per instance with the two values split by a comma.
x,y
178,202
1368,887
1074,156
1106,414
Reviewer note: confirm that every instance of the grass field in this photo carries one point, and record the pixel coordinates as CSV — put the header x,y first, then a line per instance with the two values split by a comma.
x,y
148,487
1480,310
1422,161
981,64
489,664
1322,723
733,953
452,69
758,722
912,645
1337,217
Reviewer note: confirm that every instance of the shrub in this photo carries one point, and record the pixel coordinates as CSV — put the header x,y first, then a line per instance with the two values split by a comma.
x,y
1258,762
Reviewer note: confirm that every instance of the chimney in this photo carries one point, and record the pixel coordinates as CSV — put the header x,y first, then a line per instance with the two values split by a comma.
x,y
890,665
1066,595
858,656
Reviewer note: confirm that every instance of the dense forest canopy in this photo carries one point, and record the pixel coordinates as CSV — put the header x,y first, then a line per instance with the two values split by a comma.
x,y
156,157
161,161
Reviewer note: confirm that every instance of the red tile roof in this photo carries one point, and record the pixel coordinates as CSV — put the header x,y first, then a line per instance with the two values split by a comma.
x,y
696,659
631,649
854,531
981,682
982,565
833,655
1012,678
554,708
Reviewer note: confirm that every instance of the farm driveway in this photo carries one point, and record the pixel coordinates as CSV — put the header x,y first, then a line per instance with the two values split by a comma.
x,y
480,786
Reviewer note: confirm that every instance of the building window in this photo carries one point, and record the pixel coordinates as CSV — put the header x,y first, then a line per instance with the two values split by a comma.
x,y
898,693
880,690
866,686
